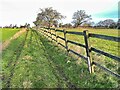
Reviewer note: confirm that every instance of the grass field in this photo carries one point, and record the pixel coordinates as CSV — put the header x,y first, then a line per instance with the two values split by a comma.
x,y
105,45
6,33
108,46
110,32
29,63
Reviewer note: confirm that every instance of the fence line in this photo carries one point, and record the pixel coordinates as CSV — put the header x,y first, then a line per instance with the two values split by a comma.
x,y
87,46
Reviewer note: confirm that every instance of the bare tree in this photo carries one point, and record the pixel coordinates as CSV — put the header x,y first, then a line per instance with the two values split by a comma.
x,y
80,17
48,17
100,24
109,23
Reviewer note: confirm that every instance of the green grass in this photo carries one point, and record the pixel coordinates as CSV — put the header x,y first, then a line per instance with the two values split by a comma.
x,y
35,62
105,45
6,33
110,32
108,46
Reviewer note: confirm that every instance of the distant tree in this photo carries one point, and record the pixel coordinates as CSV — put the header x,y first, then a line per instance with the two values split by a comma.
x,y
48,17
11,26
40,20
80,17
88,24
28,25
108,23
67,25
60,24
92,24
37,22
55,23
100,24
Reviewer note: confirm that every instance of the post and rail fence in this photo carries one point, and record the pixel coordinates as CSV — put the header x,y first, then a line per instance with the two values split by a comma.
x,y
88,48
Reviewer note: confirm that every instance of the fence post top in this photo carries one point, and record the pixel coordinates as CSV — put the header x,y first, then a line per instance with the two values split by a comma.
x,y
85,31
64,30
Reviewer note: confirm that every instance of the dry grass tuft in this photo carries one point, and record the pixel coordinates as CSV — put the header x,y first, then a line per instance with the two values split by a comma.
x,y
27,84
27,57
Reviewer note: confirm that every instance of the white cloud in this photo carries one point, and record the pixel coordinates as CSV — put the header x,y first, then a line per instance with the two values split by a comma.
x,y
22,11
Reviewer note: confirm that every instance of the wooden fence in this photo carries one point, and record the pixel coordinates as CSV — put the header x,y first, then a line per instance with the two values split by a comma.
x,y
88,48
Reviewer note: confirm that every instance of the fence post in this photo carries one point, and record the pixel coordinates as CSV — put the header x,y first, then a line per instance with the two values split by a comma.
x,y
42,31
86,38
66,44
45,32
50,34
56,36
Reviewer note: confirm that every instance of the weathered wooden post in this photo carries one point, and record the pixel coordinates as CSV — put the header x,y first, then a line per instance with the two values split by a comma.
x,y
56,36
86,38
47,33
43,31
66,44
51,34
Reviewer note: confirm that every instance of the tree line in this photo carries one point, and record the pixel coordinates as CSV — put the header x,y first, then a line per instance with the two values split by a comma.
x,y
15,26
49,17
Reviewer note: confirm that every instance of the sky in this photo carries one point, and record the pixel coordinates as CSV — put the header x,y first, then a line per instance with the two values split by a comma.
x,y
25,11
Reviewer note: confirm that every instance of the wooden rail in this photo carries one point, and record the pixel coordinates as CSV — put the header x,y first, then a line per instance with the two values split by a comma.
x,y
111,38
87,46
75,43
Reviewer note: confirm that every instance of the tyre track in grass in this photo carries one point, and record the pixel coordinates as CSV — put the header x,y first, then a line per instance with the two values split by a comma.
x,y
57,68
34,62
35,42
32,42
11,58
29,44
19,49
15,52
50,64
25,62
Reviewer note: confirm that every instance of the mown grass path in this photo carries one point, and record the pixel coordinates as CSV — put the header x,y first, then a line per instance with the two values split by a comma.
x,y
7,42
31,61
34,58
